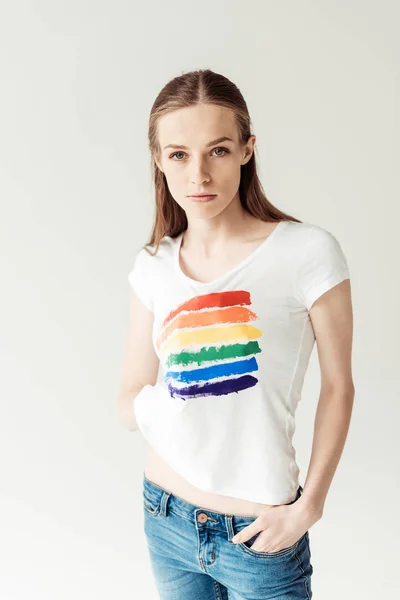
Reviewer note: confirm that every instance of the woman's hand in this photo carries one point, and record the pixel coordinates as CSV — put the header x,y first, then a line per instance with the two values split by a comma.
x,y
280,527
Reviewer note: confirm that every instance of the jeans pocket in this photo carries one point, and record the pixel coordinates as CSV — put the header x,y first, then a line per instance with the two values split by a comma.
x,y
151,504
239,523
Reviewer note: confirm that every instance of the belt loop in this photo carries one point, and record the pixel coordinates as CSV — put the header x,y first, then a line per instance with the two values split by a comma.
x,y
229,527
164,503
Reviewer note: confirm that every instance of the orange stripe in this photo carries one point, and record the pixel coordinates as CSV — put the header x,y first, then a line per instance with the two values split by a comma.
x,y
215,299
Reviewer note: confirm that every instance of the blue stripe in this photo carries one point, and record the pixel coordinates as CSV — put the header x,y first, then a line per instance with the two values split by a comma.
x,y
226,369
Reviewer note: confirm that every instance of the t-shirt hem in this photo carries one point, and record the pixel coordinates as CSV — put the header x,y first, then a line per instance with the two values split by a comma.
x,y
244,495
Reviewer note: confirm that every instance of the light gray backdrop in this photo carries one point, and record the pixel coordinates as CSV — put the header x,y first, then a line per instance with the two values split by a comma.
x,y
77,82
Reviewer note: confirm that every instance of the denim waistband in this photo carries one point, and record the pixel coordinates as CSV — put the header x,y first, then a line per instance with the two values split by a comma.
x,y
167,500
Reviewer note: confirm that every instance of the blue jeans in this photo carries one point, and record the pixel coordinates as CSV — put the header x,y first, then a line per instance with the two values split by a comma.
x,y
192,557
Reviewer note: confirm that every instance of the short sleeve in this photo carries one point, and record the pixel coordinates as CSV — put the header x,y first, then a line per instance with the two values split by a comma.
x,y
140,278
323,265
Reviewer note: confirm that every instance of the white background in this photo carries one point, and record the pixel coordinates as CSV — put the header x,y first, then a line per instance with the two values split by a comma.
x,y
321,80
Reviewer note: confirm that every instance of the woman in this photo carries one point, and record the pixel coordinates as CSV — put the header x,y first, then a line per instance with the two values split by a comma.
x,y
229,299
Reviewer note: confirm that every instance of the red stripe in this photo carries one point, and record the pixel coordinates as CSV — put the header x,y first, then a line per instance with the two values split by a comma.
x,y
220,299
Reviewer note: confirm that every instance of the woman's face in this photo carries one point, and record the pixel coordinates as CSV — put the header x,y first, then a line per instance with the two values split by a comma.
x,y
202,167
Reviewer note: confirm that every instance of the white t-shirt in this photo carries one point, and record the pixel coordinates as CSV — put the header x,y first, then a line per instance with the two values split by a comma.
x,y
233,356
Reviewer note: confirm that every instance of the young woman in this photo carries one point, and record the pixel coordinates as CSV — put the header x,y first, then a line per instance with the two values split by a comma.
x,y
228,298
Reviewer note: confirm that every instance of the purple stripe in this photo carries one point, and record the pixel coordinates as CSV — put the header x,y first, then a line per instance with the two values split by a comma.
x,y
218,388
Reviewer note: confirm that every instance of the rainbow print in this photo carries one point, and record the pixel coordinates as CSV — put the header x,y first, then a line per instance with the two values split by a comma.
x,y
209,344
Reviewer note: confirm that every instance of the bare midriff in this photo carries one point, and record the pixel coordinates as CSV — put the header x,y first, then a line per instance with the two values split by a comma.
x,y
159,472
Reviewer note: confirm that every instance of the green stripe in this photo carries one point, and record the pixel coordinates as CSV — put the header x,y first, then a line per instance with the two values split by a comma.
x,y
213,353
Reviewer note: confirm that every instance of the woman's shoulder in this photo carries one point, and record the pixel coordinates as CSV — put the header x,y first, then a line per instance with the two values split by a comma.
x,y
149,267
308,232
150,254
316,248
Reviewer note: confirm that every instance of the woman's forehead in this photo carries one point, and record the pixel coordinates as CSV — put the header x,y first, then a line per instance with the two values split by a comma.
x,y
199,122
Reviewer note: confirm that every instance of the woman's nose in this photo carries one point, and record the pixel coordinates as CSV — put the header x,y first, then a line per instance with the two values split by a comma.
x,y
199,174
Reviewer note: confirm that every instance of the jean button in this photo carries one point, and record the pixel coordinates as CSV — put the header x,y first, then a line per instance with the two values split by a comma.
x,y
202,517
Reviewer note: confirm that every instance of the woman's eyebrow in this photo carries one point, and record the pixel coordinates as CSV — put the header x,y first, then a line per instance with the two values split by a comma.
x,y
217,141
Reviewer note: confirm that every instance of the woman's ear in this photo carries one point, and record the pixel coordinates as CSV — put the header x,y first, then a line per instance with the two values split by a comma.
x,y
249,149
157,161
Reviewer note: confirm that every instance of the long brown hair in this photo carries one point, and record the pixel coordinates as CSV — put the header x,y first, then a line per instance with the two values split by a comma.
x,y
203,86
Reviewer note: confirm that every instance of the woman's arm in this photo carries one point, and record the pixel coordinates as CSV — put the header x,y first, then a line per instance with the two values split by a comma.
x,y
140,362
332,319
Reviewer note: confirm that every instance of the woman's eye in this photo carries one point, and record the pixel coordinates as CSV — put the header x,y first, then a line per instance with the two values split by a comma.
x,y
225,150
175,153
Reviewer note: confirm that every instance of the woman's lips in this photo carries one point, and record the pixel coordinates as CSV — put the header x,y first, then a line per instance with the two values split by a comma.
x,y
202,198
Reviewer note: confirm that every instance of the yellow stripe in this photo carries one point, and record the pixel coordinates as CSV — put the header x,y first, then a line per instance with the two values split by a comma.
x,y
181,339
